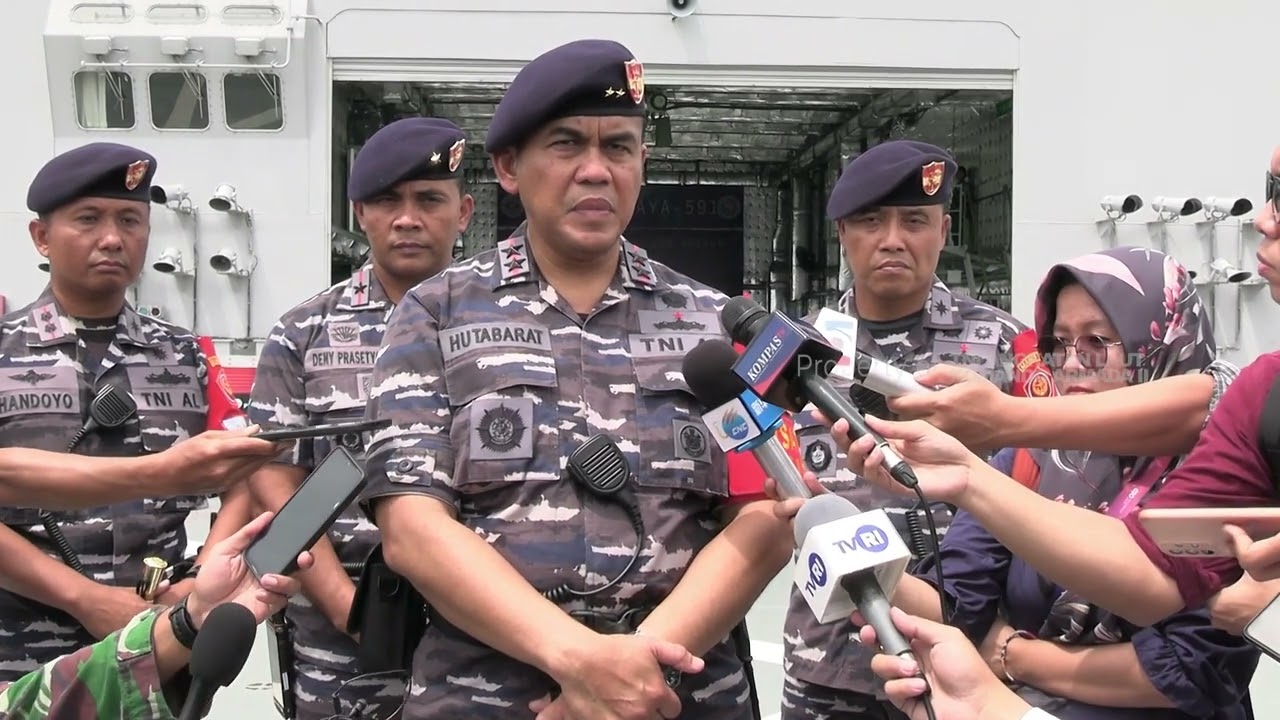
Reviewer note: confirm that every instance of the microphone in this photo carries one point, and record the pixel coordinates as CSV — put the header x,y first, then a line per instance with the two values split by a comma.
x,y
786,363
879,376
739,420
221,648
852,561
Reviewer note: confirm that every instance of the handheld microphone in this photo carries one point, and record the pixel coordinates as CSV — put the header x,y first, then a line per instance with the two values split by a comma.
x,y
221,648
786,363
739,420
110,408
852,561
879,376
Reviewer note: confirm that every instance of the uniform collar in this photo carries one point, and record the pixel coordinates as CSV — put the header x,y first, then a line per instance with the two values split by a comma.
x,y
363,291
54,327
939,311
515,264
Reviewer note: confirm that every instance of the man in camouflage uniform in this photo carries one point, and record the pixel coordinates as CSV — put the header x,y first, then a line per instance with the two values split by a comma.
x,y
495,371
135,672
406,184
890,208
56,354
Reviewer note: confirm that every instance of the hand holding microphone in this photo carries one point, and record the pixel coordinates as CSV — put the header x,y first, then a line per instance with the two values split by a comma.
x,y
786,363
742,422
851,561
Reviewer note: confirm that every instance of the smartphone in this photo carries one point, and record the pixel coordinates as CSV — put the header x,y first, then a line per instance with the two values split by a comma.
x,y
1263,631
312,431
1198,531
308,513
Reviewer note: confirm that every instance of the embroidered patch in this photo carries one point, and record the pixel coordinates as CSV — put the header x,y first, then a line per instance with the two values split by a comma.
x,y
690,441
502,429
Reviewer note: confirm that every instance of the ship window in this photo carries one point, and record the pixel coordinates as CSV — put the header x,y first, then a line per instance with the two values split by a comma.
x,y
176,13
252,101
101,13
179,101
250,15
104,100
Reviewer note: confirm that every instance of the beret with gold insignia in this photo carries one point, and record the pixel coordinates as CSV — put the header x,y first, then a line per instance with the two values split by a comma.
x,y
101,169
895,173
417,148
584,77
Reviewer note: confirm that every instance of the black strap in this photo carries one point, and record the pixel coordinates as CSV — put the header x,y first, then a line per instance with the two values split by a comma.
x,y
742,646
1269,432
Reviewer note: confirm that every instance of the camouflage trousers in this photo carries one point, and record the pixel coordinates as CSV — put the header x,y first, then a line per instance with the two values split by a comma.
x,y
315,687
805,701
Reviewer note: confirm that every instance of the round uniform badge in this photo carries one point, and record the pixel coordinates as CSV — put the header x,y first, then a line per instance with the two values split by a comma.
x,y
817,457
501,429
693,441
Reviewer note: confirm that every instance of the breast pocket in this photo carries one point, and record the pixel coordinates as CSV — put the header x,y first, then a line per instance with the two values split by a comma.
x,y
333,397
505,423
40,408
676,451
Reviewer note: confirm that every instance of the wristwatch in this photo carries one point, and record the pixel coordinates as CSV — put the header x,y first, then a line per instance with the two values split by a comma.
x,y
184,628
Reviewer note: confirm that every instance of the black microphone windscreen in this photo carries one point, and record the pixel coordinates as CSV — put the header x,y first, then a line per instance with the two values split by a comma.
x,y
820,510
708,371
742,318
223,644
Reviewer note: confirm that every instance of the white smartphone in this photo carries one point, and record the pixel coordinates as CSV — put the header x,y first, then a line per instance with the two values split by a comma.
x,y
1198,531
1263,631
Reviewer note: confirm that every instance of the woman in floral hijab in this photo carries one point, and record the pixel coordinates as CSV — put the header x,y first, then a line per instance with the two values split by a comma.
x,y
1105,320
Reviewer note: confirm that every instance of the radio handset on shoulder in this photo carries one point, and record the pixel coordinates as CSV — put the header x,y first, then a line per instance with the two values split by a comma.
x,y
110,408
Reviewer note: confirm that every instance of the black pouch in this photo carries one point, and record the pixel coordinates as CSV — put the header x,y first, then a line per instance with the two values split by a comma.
x,y
390,616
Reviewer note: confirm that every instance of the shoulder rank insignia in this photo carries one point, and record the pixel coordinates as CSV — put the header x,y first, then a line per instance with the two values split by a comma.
x,y
513,259
637,266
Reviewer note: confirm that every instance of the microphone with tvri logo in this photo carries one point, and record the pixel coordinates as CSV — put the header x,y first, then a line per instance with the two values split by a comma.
x,y
850,560
786,363
739,420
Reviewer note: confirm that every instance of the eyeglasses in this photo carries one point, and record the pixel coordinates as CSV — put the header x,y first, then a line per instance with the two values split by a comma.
x,y
1091,350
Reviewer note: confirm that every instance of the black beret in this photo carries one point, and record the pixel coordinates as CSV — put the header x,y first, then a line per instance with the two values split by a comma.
x,y
102,169
584,77
416,148
895,173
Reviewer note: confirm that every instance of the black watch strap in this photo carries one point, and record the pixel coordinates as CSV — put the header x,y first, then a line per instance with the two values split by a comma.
x,y
183,628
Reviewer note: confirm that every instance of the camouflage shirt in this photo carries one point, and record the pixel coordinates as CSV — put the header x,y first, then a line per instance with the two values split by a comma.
x,y
114,678
315,369
51,365
950,329
491,381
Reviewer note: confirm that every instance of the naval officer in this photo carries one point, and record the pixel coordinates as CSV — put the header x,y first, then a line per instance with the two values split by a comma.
x,y
70,575
407,188
495,371
890,208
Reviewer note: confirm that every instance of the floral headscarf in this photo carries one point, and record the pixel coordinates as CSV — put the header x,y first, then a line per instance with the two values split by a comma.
x,y
1149,298
1164,330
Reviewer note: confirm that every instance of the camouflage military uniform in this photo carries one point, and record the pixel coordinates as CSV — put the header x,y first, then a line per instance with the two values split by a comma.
x,y
115,678
315,369
828,672
490,380
51,365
